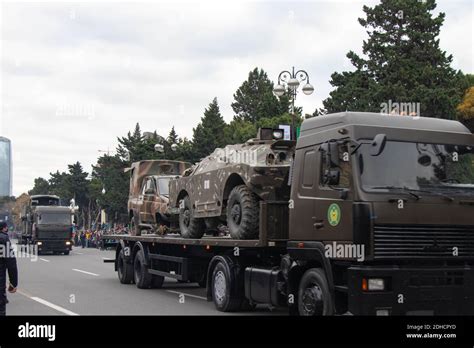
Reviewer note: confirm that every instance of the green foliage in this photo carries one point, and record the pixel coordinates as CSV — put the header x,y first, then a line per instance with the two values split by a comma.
x,y
255,100
209,133
403,63
41,187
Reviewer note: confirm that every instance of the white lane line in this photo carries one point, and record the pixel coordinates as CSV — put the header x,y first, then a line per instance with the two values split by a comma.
x,y
78,270
75,252
186,294
44,260
53,306
46,303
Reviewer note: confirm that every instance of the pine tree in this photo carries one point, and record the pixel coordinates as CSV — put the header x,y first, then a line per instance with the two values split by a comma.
x,y
255,100
209,133
404,63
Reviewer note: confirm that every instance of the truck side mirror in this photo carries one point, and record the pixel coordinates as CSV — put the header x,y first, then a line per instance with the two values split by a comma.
x,y
334,154
378,144
74,220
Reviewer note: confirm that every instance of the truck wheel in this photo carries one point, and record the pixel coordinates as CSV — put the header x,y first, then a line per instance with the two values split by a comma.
x,y
221,287
314,297
243,213
124,269
66,252
140,272
190,226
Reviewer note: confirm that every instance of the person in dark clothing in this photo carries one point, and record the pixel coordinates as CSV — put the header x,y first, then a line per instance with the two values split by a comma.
x,y
7,263
83,239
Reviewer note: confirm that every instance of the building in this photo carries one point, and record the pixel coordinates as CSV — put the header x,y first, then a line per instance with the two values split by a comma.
x,y
5,167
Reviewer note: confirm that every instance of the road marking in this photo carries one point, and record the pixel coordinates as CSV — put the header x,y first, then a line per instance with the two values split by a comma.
x,y
52,305
78,270
46,303
75,252
186,294
44,260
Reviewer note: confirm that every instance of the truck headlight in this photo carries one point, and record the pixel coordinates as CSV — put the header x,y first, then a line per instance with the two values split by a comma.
x,y
376,284
39,243
68,243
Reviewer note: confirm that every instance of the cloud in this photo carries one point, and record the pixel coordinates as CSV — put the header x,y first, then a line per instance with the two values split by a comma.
x,y
77,75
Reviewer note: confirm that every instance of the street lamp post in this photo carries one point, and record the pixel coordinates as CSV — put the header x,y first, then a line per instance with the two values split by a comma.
x,y
289,82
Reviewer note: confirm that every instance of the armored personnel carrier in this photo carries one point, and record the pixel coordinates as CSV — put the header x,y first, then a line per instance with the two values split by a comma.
x,y
228,185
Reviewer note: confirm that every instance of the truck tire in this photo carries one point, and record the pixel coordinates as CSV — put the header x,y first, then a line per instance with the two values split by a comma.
x,y
314,297
189,226
243,213
141,276
221,285
124,269
66,252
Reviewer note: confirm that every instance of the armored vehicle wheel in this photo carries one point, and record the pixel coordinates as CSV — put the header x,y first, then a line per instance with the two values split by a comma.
x,y
124,269
243,213
142,278
314,297
189,226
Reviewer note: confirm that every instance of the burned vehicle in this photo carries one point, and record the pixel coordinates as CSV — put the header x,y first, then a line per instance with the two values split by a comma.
x,y
148,197
228,185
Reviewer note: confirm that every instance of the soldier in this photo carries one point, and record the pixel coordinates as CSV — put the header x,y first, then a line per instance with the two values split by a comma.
x,y
7,263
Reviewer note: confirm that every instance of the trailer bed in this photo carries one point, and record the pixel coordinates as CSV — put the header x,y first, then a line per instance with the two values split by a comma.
x,y
205,241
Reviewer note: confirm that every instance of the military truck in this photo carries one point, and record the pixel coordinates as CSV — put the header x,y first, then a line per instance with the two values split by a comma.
x,y
149,194
228,185
379,222
47,225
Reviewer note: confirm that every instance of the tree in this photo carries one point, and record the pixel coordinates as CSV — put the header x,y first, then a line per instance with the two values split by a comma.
x,y
255,100
41,187
209,133
403,63
466,109
109,175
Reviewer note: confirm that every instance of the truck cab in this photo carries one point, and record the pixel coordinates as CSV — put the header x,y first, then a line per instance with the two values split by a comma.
x,y
384,204
52,229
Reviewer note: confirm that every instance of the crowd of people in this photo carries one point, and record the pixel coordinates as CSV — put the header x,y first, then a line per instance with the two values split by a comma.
x,y
94,238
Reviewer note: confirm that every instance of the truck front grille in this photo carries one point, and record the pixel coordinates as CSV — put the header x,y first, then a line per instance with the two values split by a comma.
x,y
413,241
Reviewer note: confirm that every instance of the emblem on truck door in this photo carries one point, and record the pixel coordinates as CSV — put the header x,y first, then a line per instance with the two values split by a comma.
x,y
334,214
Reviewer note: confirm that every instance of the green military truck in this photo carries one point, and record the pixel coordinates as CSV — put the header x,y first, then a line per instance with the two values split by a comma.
x,y
47,225
380,221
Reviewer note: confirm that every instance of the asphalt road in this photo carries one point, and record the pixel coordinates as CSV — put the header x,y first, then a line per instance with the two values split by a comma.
x,y
82,284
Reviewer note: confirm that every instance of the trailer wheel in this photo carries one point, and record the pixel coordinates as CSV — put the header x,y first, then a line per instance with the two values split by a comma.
x,y
124,269
243,213
140,272
189,226
221,285
314,297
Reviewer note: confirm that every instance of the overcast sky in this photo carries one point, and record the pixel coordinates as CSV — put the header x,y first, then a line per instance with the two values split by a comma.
x,y
77,75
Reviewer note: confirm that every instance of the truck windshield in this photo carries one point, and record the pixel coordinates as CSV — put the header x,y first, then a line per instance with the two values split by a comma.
x,y
54,218
163,186
419,166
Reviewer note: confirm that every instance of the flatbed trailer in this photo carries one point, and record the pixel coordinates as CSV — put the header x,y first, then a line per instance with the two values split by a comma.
x,y
359,234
